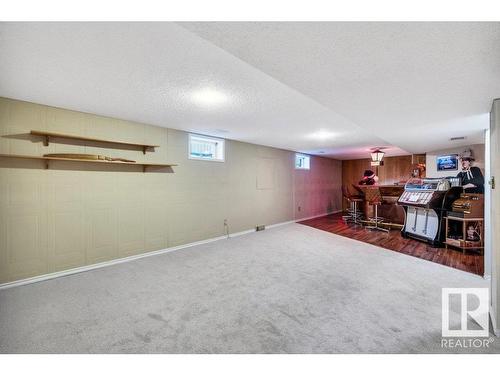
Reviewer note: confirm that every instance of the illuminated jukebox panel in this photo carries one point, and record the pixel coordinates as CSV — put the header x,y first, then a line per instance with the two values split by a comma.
x,y
417,197
425,202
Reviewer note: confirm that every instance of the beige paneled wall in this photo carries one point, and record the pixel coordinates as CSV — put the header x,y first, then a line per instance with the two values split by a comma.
x,y
77,214
318,190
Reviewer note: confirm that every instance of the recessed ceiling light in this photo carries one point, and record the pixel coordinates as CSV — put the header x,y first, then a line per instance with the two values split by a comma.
x,y
321,135
209,97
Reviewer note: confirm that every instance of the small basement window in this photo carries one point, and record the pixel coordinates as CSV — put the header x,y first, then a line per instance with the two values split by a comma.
x,y
302,161
206,148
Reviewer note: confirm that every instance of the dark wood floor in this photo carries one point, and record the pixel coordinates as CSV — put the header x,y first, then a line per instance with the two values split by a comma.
x,y
469,262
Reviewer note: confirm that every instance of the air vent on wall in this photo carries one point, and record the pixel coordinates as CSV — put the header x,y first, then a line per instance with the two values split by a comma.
x,y
456,138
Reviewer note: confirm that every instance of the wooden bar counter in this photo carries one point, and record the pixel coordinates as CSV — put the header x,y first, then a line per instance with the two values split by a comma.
x,y
389,209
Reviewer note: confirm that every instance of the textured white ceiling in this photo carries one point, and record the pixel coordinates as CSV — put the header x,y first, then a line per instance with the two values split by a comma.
x,y
367,84
413,84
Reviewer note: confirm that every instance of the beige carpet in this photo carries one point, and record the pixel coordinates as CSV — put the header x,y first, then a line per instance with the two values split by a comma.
x,y
292,289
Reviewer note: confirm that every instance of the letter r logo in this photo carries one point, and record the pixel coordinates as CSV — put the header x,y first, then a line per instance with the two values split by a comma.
x,y
469,302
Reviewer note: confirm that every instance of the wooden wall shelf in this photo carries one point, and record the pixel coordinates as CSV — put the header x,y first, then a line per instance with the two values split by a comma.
x,y
48,135
49,158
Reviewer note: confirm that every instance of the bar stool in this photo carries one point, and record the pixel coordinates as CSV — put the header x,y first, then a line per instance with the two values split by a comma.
x,y
353,214
374,198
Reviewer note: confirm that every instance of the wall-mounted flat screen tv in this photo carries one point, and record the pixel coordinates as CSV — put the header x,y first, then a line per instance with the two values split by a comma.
x,y
447,162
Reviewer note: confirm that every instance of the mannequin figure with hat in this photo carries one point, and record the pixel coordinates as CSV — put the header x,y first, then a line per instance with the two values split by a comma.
x,y
369,178
471,177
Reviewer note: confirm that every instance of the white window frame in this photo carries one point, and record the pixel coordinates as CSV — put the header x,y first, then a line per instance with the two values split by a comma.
x,y
308,157
220,143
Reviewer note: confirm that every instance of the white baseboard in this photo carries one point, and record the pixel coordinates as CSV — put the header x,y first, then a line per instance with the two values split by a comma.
x,y
271,226
316,216
90,267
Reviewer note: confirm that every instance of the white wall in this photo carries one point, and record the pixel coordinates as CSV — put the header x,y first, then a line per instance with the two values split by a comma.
x,y
495,215
430,160
487,203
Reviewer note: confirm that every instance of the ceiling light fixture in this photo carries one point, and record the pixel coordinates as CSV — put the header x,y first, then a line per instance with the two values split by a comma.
x,y
321,135
377,157
209,97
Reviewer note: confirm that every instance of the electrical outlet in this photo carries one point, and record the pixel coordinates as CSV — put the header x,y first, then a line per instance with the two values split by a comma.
x,y
225,222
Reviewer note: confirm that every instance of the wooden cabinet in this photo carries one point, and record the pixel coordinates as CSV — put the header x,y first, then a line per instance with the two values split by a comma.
x,y
465,233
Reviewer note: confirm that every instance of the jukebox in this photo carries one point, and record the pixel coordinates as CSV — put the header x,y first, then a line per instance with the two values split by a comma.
x,y
426,201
